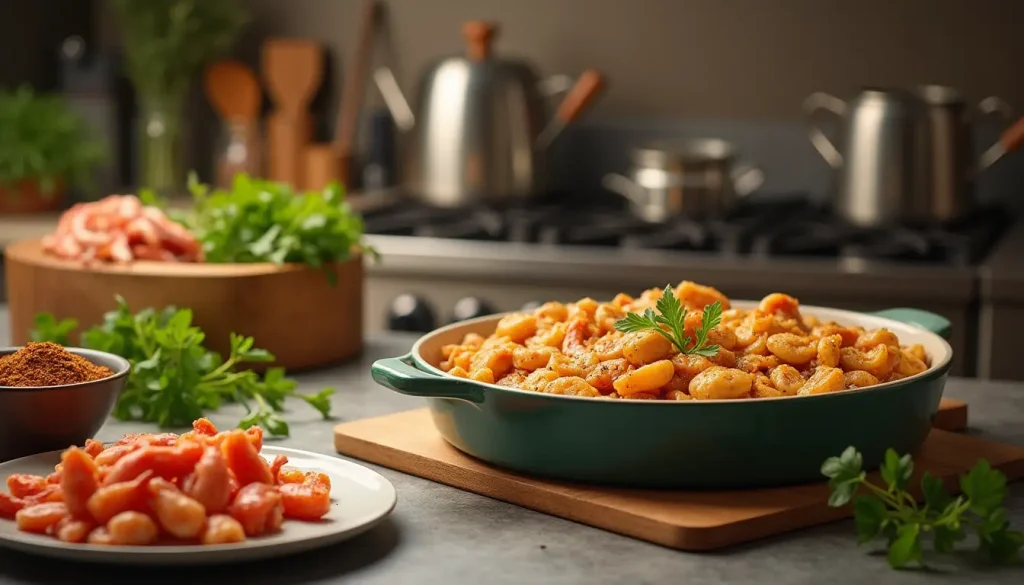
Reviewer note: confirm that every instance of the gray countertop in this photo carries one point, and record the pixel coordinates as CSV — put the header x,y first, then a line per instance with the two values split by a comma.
x,y
439,534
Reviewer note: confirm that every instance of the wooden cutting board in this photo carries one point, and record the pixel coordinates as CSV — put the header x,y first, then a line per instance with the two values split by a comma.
x,y
408,442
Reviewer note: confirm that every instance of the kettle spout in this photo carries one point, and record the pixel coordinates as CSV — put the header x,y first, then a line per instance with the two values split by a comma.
x,y
394,99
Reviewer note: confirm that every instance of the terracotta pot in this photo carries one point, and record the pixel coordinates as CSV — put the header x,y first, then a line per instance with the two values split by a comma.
x,y
27,197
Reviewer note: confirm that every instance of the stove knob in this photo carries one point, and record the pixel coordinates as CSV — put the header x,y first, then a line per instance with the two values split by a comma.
x,y
471,308
531,306
411,313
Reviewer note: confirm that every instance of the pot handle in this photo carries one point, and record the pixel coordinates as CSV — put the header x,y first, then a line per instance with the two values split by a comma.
x,y
747,178
814,103
624,186
400,375
555,85
937,324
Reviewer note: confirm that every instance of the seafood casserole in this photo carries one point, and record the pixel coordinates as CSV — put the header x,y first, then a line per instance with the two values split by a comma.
x,y
681,343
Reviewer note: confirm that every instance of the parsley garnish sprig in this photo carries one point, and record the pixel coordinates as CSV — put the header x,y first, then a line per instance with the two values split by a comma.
x,y
892,512
672,314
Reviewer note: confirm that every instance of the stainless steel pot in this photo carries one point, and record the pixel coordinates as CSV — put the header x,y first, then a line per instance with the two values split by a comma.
x,y
480,135
692,178
902,156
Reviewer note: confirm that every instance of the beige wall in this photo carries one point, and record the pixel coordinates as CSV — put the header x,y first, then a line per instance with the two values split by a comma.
x,y
705,58
702,58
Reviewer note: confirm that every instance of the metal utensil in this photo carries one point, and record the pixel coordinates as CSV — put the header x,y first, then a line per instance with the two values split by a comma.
x,y
903,156
478,124
692,178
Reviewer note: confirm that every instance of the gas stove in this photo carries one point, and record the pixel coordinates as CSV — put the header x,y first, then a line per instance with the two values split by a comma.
x,y
786,226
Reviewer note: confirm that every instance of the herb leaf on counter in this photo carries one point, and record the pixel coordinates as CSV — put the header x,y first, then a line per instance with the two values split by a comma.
x,y
48,328
672,315
175,378
265,221
893,513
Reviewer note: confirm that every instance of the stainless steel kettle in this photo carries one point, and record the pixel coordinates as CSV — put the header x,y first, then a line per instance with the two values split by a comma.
x,y
479,129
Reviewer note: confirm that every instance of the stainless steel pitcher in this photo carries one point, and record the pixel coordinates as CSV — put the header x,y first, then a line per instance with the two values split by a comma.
x,y
479,129
902,156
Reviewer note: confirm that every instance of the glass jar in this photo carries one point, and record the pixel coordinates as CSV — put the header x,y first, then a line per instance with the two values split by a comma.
x,y
238,151
160,146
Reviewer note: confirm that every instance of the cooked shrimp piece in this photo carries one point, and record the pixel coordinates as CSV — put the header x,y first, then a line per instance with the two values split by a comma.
x,y
40,517
290,475
258,508
309,500
111,500
93,447
222,529
132,529
79,480
23,485
165,462
100,536
72,530
179,515
210,483
9,505
244,460
114,454
277,465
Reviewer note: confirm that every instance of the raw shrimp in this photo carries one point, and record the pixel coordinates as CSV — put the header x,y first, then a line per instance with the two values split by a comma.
x,y
258,508
119,228
222,529
244,460
210,483
179,515
40,517
9,505
309,500
132,528
111,500
79,480
166,462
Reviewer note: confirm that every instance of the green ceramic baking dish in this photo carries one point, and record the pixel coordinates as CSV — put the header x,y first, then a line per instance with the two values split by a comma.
x,y
669,444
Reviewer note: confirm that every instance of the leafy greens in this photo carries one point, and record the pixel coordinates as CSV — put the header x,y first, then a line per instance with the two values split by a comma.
x,y
892,512
175,378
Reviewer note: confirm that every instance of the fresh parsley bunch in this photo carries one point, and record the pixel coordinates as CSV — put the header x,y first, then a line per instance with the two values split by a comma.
x,y
265,221
670,322
175,379
892,512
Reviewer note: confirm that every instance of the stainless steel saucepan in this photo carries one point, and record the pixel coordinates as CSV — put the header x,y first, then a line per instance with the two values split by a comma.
x,y
479,130
692,178
905,155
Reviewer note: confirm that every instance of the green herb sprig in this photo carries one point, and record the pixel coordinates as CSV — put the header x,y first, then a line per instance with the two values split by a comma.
x,y
672,315
892,512
265,221
175,379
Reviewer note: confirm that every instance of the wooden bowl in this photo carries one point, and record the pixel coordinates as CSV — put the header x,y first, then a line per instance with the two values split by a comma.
x,y
292,311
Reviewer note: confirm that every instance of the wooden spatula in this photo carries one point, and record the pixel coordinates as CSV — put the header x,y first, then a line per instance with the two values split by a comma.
x,y
293,71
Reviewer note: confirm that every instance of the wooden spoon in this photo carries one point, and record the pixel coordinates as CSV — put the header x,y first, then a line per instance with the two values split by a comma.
x,y
233,90
354,90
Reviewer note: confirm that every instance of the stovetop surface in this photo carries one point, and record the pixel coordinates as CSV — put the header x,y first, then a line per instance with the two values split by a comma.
x,y
787,226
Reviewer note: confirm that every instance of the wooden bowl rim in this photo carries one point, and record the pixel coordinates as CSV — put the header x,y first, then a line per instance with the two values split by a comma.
x,y
31,252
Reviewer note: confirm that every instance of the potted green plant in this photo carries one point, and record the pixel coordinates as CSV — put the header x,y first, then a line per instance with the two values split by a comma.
x,y
166,43
45,148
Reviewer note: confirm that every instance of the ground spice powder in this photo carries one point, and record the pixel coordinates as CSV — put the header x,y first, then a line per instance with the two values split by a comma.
x,y
47,364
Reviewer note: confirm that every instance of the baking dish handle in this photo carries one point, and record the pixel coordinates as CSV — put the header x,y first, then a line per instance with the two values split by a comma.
x,y
400,375
937,324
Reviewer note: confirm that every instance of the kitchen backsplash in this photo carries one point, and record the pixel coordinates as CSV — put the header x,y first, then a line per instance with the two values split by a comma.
x,y
737,69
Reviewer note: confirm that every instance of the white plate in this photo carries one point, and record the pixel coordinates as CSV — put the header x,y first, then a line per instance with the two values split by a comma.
x,y
360,499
